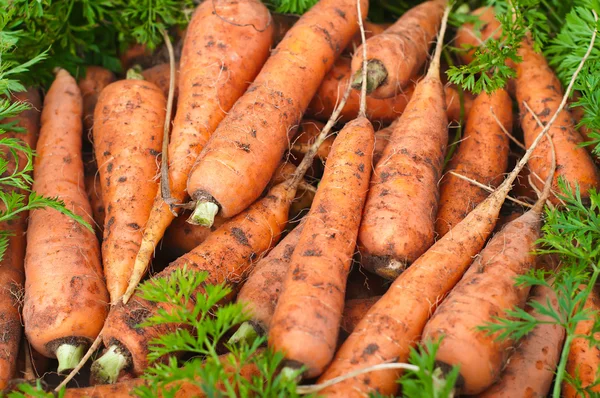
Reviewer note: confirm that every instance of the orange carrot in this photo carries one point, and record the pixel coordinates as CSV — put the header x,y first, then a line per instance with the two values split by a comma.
x,y
65,296
470,36
246,148
540,89
584,360
354,310
399,216
160,75
134,54
223,51
396,55
371,29
481,156
181,237
11,266
453,104
128,130
93,190
94,81
306,321
530,369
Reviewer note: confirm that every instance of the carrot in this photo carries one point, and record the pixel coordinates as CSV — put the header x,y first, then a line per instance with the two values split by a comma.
x,y
11,266
181,237
540,89
128,126
394,324
134,54
530,369
396,55
399,216
470,36
486,290
65,295
481,156
94,81
93,190
371,29
226,45
246,148
354,310
307,132
583,361
160,75
282,23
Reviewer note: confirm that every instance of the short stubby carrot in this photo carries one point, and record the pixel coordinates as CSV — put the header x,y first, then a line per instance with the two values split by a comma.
x,y
333,86
396,55
481,156
398,222
470,36
128,131
12,273
65,295
530,369
354,310
307,317
236,165
584,360
540,89
226,44
91,85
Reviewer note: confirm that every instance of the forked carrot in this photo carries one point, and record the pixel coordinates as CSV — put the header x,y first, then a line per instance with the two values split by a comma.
x,y
65,295
12,274
226,44
238,162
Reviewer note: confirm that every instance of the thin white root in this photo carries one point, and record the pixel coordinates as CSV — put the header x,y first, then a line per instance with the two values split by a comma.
x,y
489,189
509,135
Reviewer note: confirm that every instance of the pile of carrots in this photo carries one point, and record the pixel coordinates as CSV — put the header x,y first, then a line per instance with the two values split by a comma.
x,y
348,249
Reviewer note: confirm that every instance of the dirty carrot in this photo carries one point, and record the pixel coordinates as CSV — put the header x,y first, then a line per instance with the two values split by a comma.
x,y
11,267
94,81
237,163
396,55
398,222
481,156
226,45
354,310
128,126
539,89
65,296
530,369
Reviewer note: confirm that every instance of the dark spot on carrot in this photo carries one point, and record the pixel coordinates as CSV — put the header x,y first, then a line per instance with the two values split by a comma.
x,y
296,275
312,253
109,167
545,112
361,167
242,146
110,222
340,13
240,236
133,225
253,133
359,152
154,152
222,46
67,159
122,179
224,68
370,349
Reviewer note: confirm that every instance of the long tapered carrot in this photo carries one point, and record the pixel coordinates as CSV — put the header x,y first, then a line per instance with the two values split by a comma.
x,y
481,156
583,362
226,44
236,165
65,295
11,266
91,85
531,367
486,290
396,55
539,89
128,126
398,222
395,323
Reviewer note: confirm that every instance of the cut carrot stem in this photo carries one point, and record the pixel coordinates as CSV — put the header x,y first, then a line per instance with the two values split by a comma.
x,y
204,214
69,355
106,369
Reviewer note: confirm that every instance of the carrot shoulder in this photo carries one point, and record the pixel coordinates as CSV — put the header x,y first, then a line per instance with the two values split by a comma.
x,y
246,148
65,296
12,274
128,130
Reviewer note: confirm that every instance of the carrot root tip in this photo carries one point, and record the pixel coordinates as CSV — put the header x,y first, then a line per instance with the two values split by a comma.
x,y
376,75
135,73
204,214
247,333
69,355
106,369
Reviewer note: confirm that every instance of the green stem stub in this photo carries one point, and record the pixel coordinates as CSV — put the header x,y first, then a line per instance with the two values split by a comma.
x,y
246,333
204,214
135,73
376,75
106,369
69,355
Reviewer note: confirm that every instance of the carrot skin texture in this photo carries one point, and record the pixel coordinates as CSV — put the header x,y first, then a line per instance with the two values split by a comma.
x,y
241,241
91,85
12,274
540,88
487,289
354,310
398,221
65,294
161,76
128,131
531,367
307,318
93,189
481,156
236,165
582,356
403,47
222,53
